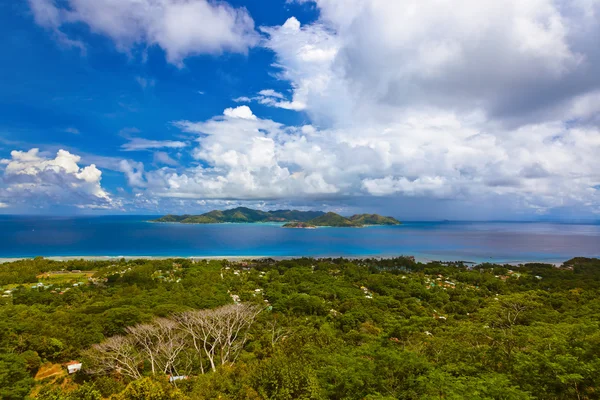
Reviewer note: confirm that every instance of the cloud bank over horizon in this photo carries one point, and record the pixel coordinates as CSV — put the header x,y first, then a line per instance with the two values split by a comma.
x,y
371,104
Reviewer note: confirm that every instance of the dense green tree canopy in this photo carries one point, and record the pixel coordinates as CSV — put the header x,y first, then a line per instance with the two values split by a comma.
x,y
327,328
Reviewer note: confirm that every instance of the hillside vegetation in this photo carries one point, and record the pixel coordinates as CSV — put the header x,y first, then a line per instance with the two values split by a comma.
x,y
300,329
292,217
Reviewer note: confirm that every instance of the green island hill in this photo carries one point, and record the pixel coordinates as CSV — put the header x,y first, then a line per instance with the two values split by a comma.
x,y
301,225
306,328
291,218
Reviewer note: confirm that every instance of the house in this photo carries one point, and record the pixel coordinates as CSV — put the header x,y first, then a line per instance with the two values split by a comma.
x,y
73,367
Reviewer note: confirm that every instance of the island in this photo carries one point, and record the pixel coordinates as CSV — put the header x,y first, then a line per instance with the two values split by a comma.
x,y
290,218
299,225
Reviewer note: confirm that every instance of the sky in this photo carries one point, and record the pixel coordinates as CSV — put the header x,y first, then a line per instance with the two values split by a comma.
x,y
420,109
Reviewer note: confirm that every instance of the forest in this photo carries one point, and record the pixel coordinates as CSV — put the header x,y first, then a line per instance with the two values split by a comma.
x,y
298,329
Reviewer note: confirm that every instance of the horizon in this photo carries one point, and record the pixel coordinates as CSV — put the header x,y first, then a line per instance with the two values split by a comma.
x,y
302,104
540,219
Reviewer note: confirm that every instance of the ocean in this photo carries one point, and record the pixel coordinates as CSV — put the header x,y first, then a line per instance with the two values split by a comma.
x,y
507,242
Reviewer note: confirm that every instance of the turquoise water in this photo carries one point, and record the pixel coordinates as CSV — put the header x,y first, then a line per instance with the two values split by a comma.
x,y
134,236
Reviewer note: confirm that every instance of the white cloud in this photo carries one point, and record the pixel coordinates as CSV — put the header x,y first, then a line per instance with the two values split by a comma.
x,y
138,144
244,157
434,154
134,172
180,27
35,180
161,157
510,58
271,98
271,93
243,112
242,99
472,100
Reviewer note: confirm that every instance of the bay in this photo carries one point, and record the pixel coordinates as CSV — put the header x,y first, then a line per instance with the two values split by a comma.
x,y
30,236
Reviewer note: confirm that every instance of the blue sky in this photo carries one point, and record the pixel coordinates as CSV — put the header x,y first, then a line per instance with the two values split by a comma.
x,y
458,111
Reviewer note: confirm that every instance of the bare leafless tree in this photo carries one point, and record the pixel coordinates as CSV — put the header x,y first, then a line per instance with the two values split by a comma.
x,y
232,323
145,338
160,341
116,354
190,324
216,335
219,334
278,332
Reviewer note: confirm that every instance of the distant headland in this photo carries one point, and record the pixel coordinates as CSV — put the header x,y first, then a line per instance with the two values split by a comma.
x,y
290,218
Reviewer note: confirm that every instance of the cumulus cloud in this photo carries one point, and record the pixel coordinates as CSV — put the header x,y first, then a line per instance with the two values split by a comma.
x,y
33,179
470,100
180,27
242,156
139,144
305,57
512,60
431,154
450,100
242,112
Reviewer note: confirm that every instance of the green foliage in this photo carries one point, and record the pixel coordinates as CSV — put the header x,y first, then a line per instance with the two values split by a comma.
x,y
330,328
84,392
333,219
32,361
294,218
15,380
242,214
286,378
373,219
149,389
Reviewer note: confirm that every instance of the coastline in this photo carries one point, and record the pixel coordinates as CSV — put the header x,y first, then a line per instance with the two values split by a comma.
x,y
421,259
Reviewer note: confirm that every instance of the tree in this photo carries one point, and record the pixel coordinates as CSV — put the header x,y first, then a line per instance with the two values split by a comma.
x,y
284,378
160,342
116,354
15,381
149,389
218,334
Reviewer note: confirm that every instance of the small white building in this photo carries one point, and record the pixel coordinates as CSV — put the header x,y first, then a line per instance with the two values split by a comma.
x,y
73,367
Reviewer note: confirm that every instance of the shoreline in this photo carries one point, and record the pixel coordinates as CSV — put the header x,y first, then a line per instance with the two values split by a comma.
x,y
421,259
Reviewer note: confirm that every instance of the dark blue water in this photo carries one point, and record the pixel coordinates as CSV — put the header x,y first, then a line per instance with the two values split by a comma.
x,y
133,236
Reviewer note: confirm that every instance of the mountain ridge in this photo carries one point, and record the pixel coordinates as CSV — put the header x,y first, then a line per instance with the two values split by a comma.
x,y
291,218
